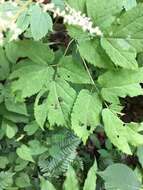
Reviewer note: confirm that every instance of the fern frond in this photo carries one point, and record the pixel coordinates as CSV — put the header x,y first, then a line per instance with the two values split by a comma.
x,y
59,164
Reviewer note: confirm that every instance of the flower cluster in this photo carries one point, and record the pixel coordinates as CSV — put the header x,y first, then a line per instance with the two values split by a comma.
x,y
73,17
6,23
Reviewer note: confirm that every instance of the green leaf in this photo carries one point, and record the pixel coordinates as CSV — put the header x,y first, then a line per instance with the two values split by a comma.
x,y
140,155
130,27
20,164
103,13
78,5
31,78
71,180
40,110
31,128
17,107
41,22
46,185
23,20
3,162
6,179
60,102
116,174
130,4
113,85
36,148
23,181
94,54
120,134
11,131
72,71
38,52
90,182
120,52
84,121
24,152
4,65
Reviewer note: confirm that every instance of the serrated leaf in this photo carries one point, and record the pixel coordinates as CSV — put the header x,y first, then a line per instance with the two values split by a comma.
x,y
60,102
4,65
31,78
38,52
130,28
94,54
120,52
90,182
71,180
40,113
72,71
84,121
103,13
46,185
115,174
24,153
120,134
113,85
41,22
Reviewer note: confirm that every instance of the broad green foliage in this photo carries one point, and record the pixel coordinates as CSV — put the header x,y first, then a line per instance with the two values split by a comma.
x,y
72,71
85,121
4,65
120,52
71,180
40,21
120,134
119,176
90,182
24,153
63,94
113,85
103,13
6,180
45,185
38,52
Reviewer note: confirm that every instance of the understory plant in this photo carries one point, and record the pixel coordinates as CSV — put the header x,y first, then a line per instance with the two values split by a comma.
x,y
66,70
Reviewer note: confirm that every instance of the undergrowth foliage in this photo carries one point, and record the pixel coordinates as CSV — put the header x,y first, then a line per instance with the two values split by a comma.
x,y
64,67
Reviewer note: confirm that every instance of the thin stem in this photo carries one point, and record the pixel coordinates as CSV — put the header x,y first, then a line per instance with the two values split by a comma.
x,y
67,48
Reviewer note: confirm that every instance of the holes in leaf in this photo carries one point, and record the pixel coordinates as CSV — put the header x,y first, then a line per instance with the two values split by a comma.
x,y
56,106
68,76
81,124
124,124
60,99
88,128
118,136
